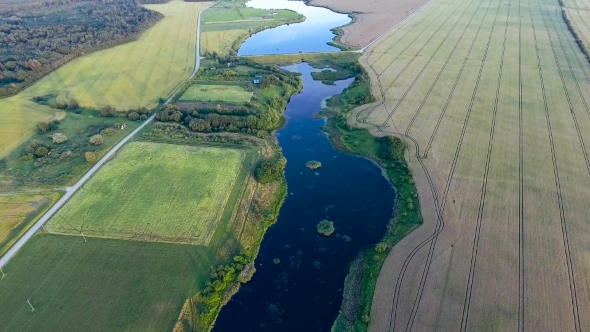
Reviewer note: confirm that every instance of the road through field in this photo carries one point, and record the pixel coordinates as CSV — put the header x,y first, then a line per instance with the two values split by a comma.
x,y
493,97
72,190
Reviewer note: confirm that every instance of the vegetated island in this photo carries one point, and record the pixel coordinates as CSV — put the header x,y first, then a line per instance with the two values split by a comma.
x,y
325,227
313,164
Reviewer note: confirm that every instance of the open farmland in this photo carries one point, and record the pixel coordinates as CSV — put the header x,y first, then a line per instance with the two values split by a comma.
x,y
128,76
178,196
493,99
578,15
18,212
99,285
372,18
227,24
234,94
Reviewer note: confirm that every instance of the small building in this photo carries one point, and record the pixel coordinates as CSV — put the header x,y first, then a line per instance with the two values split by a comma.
x,y
256,81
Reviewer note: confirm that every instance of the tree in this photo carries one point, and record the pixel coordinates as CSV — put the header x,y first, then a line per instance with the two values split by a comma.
x,y
91,157
96,139
59,138
133,116
44,126
108,111
41,151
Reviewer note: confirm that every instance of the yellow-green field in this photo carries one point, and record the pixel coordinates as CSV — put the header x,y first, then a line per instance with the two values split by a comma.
x,y
216,93
493,99
18,212
154,192
128,76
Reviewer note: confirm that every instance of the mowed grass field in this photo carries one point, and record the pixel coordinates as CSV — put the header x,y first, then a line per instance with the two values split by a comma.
x,y
154,192
128,76
493,100
99,285
234,94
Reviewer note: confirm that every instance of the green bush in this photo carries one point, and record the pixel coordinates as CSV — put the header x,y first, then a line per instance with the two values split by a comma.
x,y
325,227
270,170
107,132
41,151
133,116
96,139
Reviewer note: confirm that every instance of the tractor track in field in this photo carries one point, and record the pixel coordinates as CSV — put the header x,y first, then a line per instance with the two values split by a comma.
x,y
562,217
480,212
377,75
403,97
438,206
440,221
521,270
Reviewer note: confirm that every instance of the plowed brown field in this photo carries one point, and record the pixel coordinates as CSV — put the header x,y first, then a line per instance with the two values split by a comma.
x,y
373,17
493,98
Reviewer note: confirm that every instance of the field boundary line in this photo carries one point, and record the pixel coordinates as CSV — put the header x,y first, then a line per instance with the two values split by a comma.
x,y
27,236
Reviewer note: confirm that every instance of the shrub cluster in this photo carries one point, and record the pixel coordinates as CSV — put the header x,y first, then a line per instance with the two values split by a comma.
x,y
269,170
391,148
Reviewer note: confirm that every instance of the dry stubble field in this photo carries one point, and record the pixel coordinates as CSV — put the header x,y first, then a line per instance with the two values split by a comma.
x,y
373,17
493,98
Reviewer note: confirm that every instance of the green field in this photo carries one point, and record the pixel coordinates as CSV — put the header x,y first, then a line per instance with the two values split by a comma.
x,y
233,94
493,99
128,76
154,192
99,285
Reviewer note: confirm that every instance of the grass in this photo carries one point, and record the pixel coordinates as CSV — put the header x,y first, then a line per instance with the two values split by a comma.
x,y
227,24
179,196
67,161
233,94
494,109
128,76
101,285
20,211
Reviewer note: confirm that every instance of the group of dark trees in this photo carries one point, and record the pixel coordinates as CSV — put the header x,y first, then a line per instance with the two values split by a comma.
x,y
269,170
37,41
266,118
391,148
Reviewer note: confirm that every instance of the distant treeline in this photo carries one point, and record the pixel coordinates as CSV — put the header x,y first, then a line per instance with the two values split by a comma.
x,y
37,41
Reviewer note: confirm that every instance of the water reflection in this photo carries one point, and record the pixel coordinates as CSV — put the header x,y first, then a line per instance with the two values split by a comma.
x,y
308,36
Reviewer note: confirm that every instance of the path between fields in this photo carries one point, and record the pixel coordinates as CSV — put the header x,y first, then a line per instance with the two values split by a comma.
x,y
72,190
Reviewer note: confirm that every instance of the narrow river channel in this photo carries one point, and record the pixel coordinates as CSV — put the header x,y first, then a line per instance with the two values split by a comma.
x,y
300,274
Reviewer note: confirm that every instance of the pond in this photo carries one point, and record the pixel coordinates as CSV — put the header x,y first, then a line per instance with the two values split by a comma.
x,y
311,35
300,274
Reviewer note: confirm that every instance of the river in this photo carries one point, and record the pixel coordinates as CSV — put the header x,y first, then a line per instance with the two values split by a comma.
x,y
311,35
300,274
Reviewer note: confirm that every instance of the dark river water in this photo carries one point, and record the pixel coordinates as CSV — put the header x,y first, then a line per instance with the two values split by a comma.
x,y
308,36
303,291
